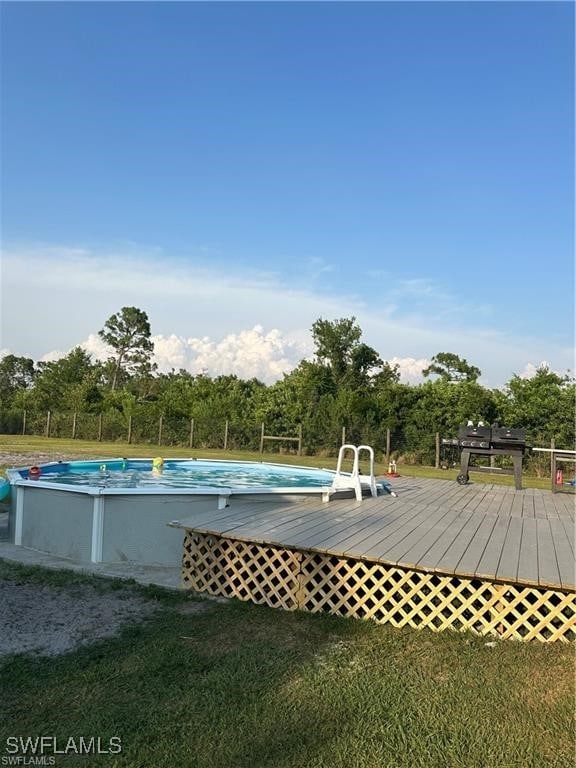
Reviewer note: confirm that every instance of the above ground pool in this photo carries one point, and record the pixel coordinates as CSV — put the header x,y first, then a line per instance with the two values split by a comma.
x,y
189,474
118,510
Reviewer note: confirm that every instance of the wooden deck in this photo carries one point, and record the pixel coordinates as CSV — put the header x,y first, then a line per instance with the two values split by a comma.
x,y
480,558
486,532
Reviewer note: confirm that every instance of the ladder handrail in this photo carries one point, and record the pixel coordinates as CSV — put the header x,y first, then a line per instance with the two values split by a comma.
x,y
341,452
371,453
354,480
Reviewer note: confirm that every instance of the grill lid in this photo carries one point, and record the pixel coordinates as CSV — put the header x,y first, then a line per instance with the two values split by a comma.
x,y
474,433
506,435
479,436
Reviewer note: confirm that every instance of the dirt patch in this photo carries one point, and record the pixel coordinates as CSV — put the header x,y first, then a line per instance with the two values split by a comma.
x,y
49,621
8,459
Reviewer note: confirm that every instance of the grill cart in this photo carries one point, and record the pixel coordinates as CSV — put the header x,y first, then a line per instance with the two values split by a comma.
x,y
491,441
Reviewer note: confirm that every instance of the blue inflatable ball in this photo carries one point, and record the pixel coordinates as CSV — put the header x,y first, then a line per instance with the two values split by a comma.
x,y
4,489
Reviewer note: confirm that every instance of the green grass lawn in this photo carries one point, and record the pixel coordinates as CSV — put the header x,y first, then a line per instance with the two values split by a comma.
x,y
235,685
93,449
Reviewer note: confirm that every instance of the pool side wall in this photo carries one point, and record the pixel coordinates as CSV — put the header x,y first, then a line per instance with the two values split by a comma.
x,y
91,526
57,522
135,528
113,528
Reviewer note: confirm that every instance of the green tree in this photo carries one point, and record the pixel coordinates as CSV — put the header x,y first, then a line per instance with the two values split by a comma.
x,y
450,367
543,405
71,383
128,333
441,406
338,348
387,377
340,388
16,376
335,341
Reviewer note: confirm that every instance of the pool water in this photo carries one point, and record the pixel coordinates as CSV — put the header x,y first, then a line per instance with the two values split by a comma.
x,y
134,473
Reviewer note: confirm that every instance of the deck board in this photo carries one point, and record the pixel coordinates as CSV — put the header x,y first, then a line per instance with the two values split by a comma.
x,y
438,550
492,503
392,548
508,565
468,563
414,547
449,561
570,529
549,507
330,536
490,560
352,541
529,507
476,531
517,507
564,553
528,555
548,574
278,523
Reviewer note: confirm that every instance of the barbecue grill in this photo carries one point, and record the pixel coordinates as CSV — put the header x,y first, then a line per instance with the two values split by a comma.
x,y
491,441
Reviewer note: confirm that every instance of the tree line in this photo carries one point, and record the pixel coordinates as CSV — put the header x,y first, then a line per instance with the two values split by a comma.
x,y
346,385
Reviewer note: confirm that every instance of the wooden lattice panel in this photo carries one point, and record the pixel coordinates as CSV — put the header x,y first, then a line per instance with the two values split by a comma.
x,y
264,575
403,597
316,582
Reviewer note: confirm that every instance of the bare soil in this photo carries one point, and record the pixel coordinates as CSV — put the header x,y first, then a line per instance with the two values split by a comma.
x,y
8,459
48,621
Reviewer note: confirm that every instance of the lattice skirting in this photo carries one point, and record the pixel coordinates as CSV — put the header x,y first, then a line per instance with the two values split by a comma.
x,y
282,578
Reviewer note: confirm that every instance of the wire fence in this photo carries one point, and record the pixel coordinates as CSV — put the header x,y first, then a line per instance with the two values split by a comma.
x,y
404,444
141,427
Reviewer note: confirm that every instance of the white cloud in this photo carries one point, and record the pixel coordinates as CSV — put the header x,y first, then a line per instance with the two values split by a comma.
x,y
96,347
410,368
52,356
250,353
53,298
71,293
530,370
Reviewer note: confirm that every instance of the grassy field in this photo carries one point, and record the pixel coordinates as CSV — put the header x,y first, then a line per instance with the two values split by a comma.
x,y
234,685
26,445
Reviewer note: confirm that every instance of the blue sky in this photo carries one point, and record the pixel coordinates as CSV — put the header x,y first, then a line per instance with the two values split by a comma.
x,y
239,169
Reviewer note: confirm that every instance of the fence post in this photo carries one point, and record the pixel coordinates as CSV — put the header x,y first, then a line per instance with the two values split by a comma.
x,y
387,445
99,427
343,436
191,432
226,435
437,461
129,429
262,439
48,422
300,440
24,421
160,425
553,465
74,415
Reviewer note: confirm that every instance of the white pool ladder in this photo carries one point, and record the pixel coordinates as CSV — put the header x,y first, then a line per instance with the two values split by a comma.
x,y
353,481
